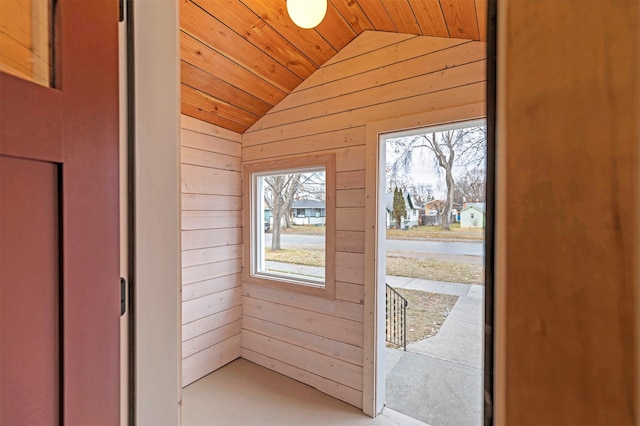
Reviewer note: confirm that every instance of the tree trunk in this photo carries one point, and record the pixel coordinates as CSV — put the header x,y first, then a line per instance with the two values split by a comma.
x,y
446,214
277,226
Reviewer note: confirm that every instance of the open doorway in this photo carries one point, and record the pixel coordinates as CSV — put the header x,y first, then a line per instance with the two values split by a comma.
x,y
434,209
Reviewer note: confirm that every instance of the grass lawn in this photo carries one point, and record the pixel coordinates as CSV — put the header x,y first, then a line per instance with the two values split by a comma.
x,y
436,233
399,266
426,312
417,233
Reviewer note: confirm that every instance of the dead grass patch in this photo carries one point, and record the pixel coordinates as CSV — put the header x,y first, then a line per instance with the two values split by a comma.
x,y
436,233
296,256
426,313
433,270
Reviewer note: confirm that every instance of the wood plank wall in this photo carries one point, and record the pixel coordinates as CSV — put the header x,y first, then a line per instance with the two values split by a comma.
x,y
24,39
379,76
567,282
211,248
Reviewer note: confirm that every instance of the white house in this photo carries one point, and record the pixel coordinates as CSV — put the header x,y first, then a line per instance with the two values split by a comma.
x,y
413,212
473,215
308,212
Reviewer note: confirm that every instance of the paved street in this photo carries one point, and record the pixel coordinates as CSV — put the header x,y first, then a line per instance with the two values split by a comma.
x,y
429,247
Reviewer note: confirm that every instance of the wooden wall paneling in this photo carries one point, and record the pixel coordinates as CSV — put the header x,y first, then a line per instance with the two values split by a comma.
x,y
202,141
332,327
343,351
350,292
210,338
304,145
351,158
215,63
344,393
326,366
193,220
413,66
203,238
199,308
303,301
205,180
211,247
364,43
350,241
350,267
196,157
335,122
204,362
209,286
350,180
204,202
382,92
211,322
429,15
413,104
350,219
210,255
350,198
406,49
214,133
210,270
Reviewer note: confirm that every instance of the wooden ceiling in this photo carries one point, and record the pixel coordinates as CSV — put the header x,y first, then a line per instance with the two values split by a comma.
x,y
239,58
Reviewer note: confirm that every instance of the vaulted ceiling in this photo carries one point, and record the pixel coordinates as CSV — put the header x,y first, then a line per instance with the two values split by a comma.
x,y
239,58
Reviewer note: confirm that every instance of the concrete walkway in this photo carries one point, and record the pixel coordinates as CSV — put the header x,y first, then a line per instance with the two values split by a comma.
x,y
438,380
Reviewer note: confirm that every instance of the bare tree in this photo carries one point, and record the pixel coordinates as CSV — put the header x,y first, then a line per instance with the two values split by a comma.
x,y
281,191
461,147
278,196
472,185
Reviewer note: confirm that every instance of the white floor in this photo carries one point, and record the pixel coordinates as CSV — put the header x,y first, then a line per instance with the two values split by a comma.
x,y
243,393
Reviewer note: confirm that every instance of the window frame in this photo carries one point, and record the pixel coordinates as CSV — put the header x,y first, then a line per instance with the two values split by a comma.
x,y
253,217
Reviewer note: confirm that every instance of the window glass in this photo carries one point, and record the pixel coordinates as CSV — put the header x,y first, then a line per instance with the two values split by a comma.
x,y
25,39
289,230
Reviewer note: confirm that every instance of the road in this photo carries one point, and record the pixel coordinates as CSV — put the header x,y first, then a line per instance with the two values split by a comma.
x,y
449,248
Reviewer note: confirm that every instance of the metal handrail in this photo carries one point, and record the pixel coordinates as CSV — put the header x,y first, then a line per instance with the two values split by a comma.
x,y
396,318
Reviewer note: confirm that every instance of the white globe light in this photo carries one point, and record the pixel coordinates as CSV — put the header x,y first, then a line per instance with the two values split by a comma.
x,y
307,13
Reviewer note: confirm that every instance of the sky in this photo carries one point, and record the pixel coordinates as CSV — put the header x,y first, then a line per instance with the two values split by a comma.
x,y
423,167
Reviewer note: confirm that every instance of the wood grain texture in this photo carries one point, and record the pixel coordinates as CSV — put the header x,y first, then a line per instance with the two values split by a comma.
x,y
253,49
211,248
570,328
327,115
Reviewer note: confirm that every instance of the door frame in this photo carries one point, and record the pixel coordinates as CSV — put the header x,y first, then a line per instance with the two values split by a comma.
x,y
154,212
75,125
374,303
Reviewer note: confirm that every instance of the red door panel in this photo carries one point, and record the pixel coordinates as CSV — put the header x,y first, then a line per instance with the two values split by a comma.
x,y
29,297
73,128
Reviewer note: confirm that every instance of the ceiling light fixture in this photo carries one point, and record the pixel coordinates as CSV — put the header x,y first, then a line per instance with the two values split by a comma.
x,y
307,13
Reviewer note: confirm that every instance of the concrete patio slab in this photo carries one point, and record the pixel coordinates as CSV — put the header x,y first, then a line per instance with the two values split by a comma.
x,y
432,390
460,338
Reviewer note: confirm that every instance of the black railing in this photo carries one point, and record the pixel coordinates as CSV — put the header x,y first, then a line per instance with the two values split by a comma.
x,y
396,327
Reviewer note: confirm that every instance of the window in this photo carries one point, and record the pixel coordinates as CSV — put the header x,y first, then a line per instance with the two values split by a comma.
x,y
290,243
